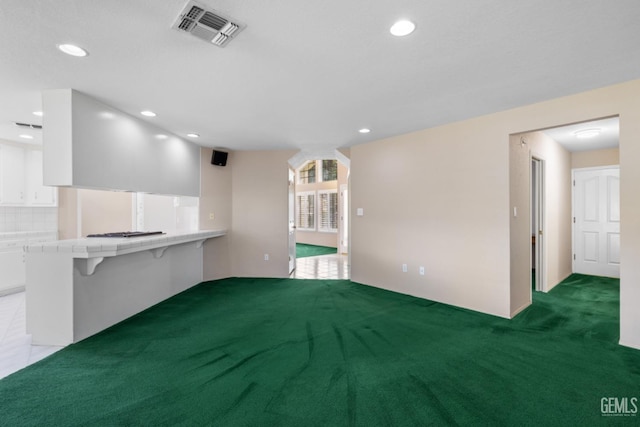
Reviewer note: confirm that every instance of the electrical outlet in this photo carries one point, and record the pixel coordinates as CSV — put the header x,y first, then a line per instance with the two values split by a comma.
x,y
404,268
266,257
212,216
421,270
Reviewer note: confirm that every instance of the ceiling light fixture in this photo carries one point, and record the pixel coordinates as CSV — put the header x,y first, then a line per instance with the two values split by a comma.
x,y
37,113
402,28
148,113
73,50
364,130
193,135
587,133
25,136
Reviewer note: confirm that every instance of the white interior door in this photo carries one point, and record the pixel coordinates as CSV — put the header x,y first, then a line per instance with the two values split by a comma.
x,y
596,228
292,221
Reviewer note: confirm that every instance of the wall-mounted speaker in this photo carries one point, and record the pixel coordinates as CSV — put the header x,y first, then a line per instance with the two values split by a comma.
x,y
219,158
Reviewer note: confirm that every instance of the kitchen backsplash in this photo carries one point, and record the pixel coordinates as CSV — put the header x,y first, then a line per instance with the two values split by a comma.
x,y
28,219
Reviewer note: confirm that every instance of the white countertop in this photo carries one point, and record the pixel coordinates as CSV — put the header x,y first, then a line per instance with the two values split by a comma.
x,y
95,247
15,240
10,235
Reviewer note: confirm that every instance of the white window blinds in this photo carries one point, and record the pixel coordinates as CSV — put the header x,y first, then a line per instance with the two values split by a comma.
x,y
328,210
305,210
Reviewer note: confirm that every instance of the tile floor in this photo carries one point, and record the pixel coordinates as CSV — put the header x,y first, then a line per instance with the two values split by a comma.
x,y
334,266
16,351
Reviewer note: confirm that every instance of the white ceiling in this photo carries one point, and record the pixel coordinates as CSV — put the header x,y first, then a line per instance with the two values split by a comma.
x,y
309,74
609,136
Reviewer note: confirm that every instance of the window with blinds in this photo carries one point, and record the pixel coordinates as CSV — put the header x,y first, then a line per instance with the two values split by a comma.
x,y
305,211
328,210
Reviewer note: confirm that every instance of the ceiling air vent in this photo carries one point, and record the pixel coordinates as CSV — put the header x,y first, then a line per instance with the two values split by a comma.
x,y
206,24
28,125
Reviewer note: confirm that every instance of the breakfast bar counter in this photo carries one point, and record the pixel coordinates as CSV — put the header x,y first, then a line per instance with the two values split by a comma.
x,y
77,288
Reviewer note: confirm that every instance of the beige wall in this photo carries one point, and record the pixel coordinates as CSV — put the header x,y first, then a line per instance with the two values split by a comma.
x,y
557,228
68,213
260,213
317,238
440,198
215,185
595,158
104,211
520,222
437,198
100,212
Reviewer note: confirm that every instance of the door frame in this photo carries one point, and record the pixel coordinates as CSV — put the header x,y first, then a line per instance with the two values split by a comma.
x,y
538,220
343,243
292,220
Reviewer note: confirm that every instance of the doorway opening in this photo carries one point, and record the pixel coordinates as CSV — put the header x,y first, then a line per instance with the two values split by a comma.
x,y
319,219
542,168
537,224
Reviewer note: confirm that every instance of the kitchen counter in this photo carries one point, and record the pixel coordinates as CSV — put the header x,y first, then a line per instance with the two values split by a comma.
x,y
18,239
77,288
5,235
12,267
94,249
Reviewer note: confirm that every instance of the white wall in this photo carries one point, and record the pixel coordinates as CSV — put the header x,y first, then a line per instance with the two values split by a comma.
x,y
89,144
18,218
156,212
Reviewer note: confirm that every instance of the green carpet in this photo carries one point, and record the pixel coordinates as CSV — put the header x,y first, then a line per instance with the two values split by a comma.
x,y
262,352
303,250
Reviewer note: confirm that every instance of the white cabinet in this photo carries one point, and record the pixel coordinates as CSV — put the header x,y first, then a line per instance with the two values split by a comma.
x,y
37,193
21,178
12,183
12,265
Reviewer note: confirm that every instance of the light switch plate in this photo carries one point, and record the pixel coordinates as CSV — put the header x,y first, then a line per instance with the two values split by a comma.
x,y
360,211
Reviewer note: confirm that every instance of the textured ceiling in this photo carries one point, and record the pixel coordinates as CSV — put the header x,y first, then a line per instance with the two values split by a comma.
x,y
309,74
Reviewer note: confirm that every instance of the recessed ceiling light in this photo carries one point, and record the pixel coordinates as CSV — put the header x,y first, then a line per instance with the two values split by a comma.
x,y
364,130
106,115
25,136
161,136
587,133
148,113
37,113
402,28
193,135
73,50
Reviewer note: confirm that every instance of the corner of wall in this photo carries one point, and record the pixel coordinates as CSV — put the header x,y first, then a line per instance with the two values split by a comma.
x,y
215,214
